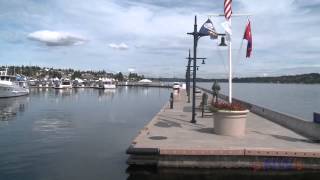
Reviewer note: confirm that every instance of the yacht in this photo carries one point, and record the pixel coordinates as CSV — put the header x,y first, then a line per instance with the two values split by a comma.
x,y
12,86
176,86
63,84
106,83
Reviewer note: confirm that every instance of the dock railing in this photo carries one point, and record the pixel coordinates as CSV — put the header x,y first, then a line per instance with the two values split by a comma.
x,y
305,128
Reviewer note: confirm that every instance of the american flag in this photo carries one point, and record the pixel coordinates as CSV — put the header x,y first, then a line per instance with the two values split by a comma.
x,y
227,9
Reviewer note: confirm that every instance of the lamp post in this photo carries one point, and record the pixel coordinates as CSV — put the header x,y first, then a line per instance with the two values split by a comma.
x,y
188,76
196,36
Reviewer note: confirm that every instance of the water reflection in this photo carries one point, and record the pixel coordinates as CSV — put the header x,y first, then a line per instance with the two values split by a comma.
x,y
63,92
61,129
53,122
106,94
10,107
212,174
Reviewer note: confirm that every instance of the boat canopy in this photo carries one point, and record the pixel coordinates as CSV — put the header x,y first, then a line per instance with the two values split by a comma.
x,y
145,81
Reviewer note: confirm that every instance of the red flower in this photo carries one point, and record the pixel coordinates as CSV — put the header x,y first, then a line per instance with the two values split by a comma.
x,y
229,107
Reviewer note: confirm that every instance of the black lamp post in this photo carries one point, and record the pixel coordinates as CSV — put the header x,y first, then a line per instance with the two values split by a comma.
x,y
188,76
196,35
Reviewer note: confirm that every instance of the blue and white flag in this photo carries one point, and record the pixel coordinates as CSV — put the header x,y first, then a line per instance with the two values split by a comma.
x,y
207,29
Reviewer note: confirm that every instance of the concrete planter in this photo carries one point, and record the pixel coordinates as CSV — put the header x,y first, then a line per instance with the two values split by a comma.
x,y
230,123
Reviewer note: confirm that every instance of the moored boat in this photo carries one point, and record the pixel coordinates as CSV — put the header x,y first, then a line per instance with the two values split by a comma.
x,y
12,86
176,86
63,84
106,83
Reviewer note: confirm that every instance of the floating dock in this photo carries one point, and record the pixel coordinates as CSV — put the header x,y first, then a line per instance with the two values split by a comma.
x,y
153,84
169,140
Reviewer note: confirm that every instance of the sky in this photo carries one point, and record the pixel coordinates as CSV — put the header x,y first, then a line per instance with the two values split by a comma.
x,y
150,37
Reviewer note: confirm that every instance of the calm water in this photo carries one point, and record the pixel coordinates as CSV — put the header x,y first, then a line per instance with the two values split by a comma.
x,y
296,99
82,134
73,134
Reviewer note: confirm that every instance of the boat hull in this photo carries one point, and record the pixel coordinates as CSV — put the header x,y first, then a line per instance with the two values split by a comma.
x,y
109,86
63,87
12,91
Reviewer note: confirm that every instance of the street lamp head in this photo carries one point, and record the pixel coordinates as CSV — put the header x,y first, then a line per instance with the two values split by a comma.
x,y
203,62
223,41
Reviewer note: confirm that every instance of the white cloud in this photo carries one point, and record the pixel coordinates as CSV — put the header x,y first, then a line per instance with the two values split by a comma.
x,y
154,34
55,38
121,46
131,70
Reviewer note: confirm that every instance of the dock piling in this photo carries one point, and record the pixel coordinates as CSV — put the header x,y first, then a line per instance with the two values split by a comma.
x,y
171,100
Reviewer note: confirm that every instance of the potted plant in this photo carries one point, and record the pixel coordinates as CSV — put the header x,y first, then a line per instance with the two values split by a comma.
x,y
229,118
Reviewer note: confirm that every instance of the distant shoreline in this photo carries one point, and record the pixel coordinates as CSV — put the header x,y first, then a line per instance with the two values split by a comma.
x,y
311,78
36,71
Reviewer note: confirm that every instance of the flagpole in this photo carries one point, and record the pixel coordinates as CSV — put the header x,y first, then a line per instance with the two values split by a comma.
x,y
230,64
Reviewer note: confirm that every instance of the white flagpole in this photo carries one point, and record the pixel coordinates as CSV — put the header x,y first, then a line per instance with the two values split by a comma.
x,y
230,64
230,49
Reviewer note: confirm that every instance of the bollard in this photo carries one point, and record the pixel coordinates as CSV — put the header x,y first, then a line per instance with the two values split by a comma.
x,y
316,118
171,100
204,103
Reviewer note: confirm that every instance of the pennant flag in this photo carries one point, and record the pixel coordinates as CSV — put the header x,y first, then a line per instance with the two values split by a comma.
x,y
207,29
248,36
227,9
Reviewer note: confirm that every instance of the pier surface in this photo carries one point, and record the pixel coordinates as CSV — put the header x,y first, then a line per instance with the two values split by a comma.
x,y
170,140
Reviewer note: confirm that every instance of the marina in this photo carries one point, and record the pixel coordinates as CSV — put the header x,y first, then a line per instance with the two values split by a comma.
x,y
159,90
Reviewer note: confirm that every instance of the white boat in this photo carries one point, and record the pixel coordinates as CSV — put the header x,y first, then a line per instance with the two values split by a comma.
x,y
12,86
78,83
63,84
176,86
106,83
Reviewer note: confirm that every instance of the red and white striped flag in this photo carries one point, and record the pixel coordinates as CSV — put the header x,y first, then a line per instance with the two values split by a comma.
x,y
227,9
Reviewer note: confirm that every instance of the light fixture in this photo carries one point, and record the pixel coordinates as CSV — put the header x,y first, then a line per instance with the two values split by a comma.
x,y
223,41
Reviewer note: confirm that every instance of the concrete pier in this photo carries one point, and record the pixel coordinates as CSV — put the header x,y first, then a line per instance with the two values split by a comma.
x,y
170,140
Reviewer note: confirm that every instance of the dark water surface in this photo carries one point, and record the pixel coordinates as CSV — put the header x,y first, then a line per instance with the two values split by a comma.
x,y
82,134
300,100
73,134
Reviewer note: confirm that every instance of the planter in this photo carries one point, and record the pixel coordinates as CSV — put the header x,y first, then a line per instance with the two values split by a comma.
x,y
230,123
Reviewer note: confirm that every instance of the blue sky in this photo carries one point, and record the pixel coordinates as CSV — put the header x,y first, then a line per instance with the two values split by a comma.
x,y
149,36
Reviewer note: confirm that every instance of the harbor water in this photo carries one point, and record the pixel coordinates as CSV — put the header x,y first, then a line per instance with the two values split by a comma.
x,y
83,134
73,134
